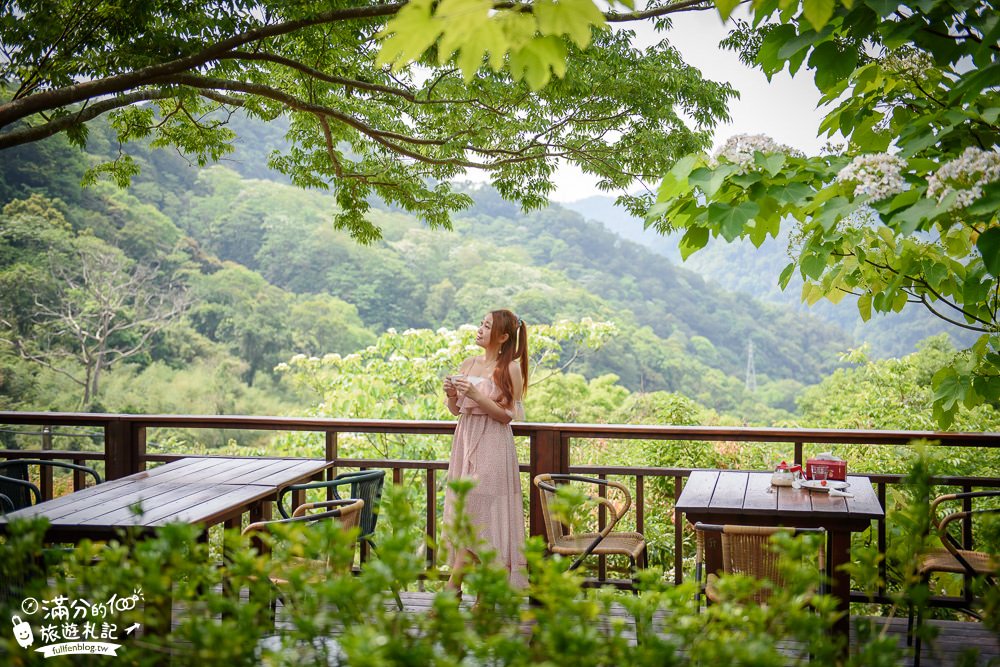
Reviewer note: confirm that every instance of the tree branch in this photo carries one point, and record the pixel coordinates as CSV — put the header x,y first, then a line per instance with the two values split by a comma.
x,y
339,80
963,325
28,134
72,94
683,6
924,283
386,138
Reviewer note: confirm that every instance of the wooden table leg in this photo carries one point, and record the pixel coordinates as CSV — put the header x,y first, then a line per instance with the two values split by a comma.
x,y
229,524
261,511
840,581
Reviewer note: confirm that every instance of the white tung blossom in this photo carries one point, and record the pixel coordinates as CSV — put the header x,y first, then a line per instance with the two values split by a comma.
x,y
878,175
740,149
965,175
908,63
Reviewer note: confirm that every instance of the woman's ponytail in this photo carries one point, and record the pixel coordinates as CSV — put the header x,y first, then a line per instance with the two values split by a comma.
x,y
515,347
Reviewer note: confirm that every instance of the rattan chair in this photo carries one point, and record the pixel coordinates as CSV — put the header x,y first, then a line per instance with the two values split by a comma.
x,y
347,512
748,550
606,541
365,485
16,485
952,558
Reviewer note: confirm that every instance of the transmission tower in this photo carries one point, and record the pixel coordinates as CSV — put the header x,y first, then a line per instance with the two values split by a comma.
x,y
751,384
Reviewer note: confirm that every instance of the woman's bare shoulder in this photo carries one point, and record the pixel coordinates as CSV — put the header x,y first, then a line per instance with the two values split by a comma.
x,y
467,364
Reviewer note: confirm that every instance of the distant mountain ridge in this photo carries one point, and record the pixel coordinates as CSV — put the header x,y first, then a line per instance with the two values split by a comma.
x,y
740,267
677,332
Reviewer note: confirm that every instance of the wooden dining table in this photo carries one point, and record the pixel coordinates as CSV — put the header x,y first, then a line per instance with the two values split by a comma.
x,y
203,491
747,498
197,490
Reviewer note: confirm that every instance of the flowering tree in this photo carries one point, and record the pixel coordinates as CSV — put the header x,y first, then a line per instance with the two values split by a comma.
x,y
399,376
906,213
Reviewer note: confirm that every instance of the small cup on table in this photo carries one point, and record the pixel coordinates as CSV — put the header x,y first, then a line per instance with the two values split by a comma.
x,y
820,472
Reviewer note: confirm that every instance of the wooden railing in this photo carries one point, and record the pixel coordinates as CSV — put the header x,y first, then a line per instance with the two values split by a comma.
x,y
125,452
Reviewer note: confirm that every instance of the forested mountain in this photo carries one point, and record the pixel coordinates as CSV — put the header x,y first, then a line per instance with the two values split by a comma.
x,y
266,276
740,267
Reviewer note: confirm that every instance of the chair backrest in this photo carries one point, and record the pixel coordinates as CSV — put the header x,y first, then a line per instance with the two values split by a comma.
x,y
348,511
15,482
986,565
554,528
6,504
366,485
19,494
747,550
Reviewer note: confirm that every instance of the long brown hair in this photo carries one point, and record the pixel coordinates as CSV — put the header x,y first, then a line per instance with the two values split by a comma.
x,y
515,347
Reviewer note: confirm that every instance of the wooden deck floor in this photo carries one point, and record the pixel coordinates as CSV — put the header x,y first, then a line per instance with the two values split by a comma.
x,y
953,636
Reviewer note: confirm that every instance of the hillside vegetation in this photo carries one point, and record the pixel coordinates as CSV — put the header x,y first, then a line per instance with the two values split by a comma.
x,y
741,267
255,274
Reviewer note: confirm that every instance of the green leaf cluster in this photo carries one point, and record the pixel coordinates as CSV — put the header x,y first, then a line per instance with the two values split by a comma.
x,y
527,40
388,101
330,615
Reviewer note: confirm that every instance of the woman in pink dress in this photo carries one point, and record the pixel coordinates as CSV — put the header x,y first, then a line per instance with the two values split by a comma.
x,y
487,396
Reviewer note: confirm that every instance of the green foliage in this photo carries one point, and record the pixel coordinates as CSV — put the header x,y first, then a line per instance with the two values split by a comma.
x,y
354,126
400,375
476,30
330,616
73,303
888,393
238,307
914,225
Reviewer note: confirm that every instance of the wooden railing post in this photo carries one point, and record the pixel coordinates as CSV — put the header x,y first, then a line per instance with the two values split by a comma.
x,y
124,447
45,474
331,455
549,453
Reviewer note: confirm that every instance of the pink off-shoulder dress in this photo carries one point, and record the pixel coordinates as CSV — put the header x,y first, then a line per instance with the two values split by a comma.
x,y
483,451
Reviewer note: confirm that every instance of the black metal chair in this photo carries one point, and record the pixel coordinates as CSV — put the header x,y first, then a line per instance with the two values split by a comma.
x,y
16,485
364,485
6,504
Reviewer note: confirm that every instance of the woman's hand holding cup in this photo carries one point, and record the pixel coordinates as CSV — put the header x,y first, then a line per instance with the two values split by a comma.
x,y
461,384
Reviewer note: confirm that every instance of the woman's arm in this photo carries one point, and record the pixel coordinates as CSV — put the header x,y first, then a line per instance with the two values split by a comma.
x,y
451,391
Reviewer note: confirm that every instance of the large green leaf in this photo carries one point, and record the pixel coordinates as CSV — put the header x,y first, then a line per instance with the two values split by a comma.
x,y
732,219
574,18
409,34
832,63
694,239
790,193
538,60
818,12
988,244
726,7
710,180
813,265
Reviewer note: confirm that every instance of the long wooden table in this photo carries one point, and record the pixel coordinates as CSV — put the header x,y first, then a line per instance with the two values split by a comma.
x,y
747,498
198,490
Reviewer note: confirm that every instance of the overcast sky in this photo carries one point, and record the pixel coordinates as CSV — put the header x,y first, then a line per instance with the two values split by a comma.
x,y
784,109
